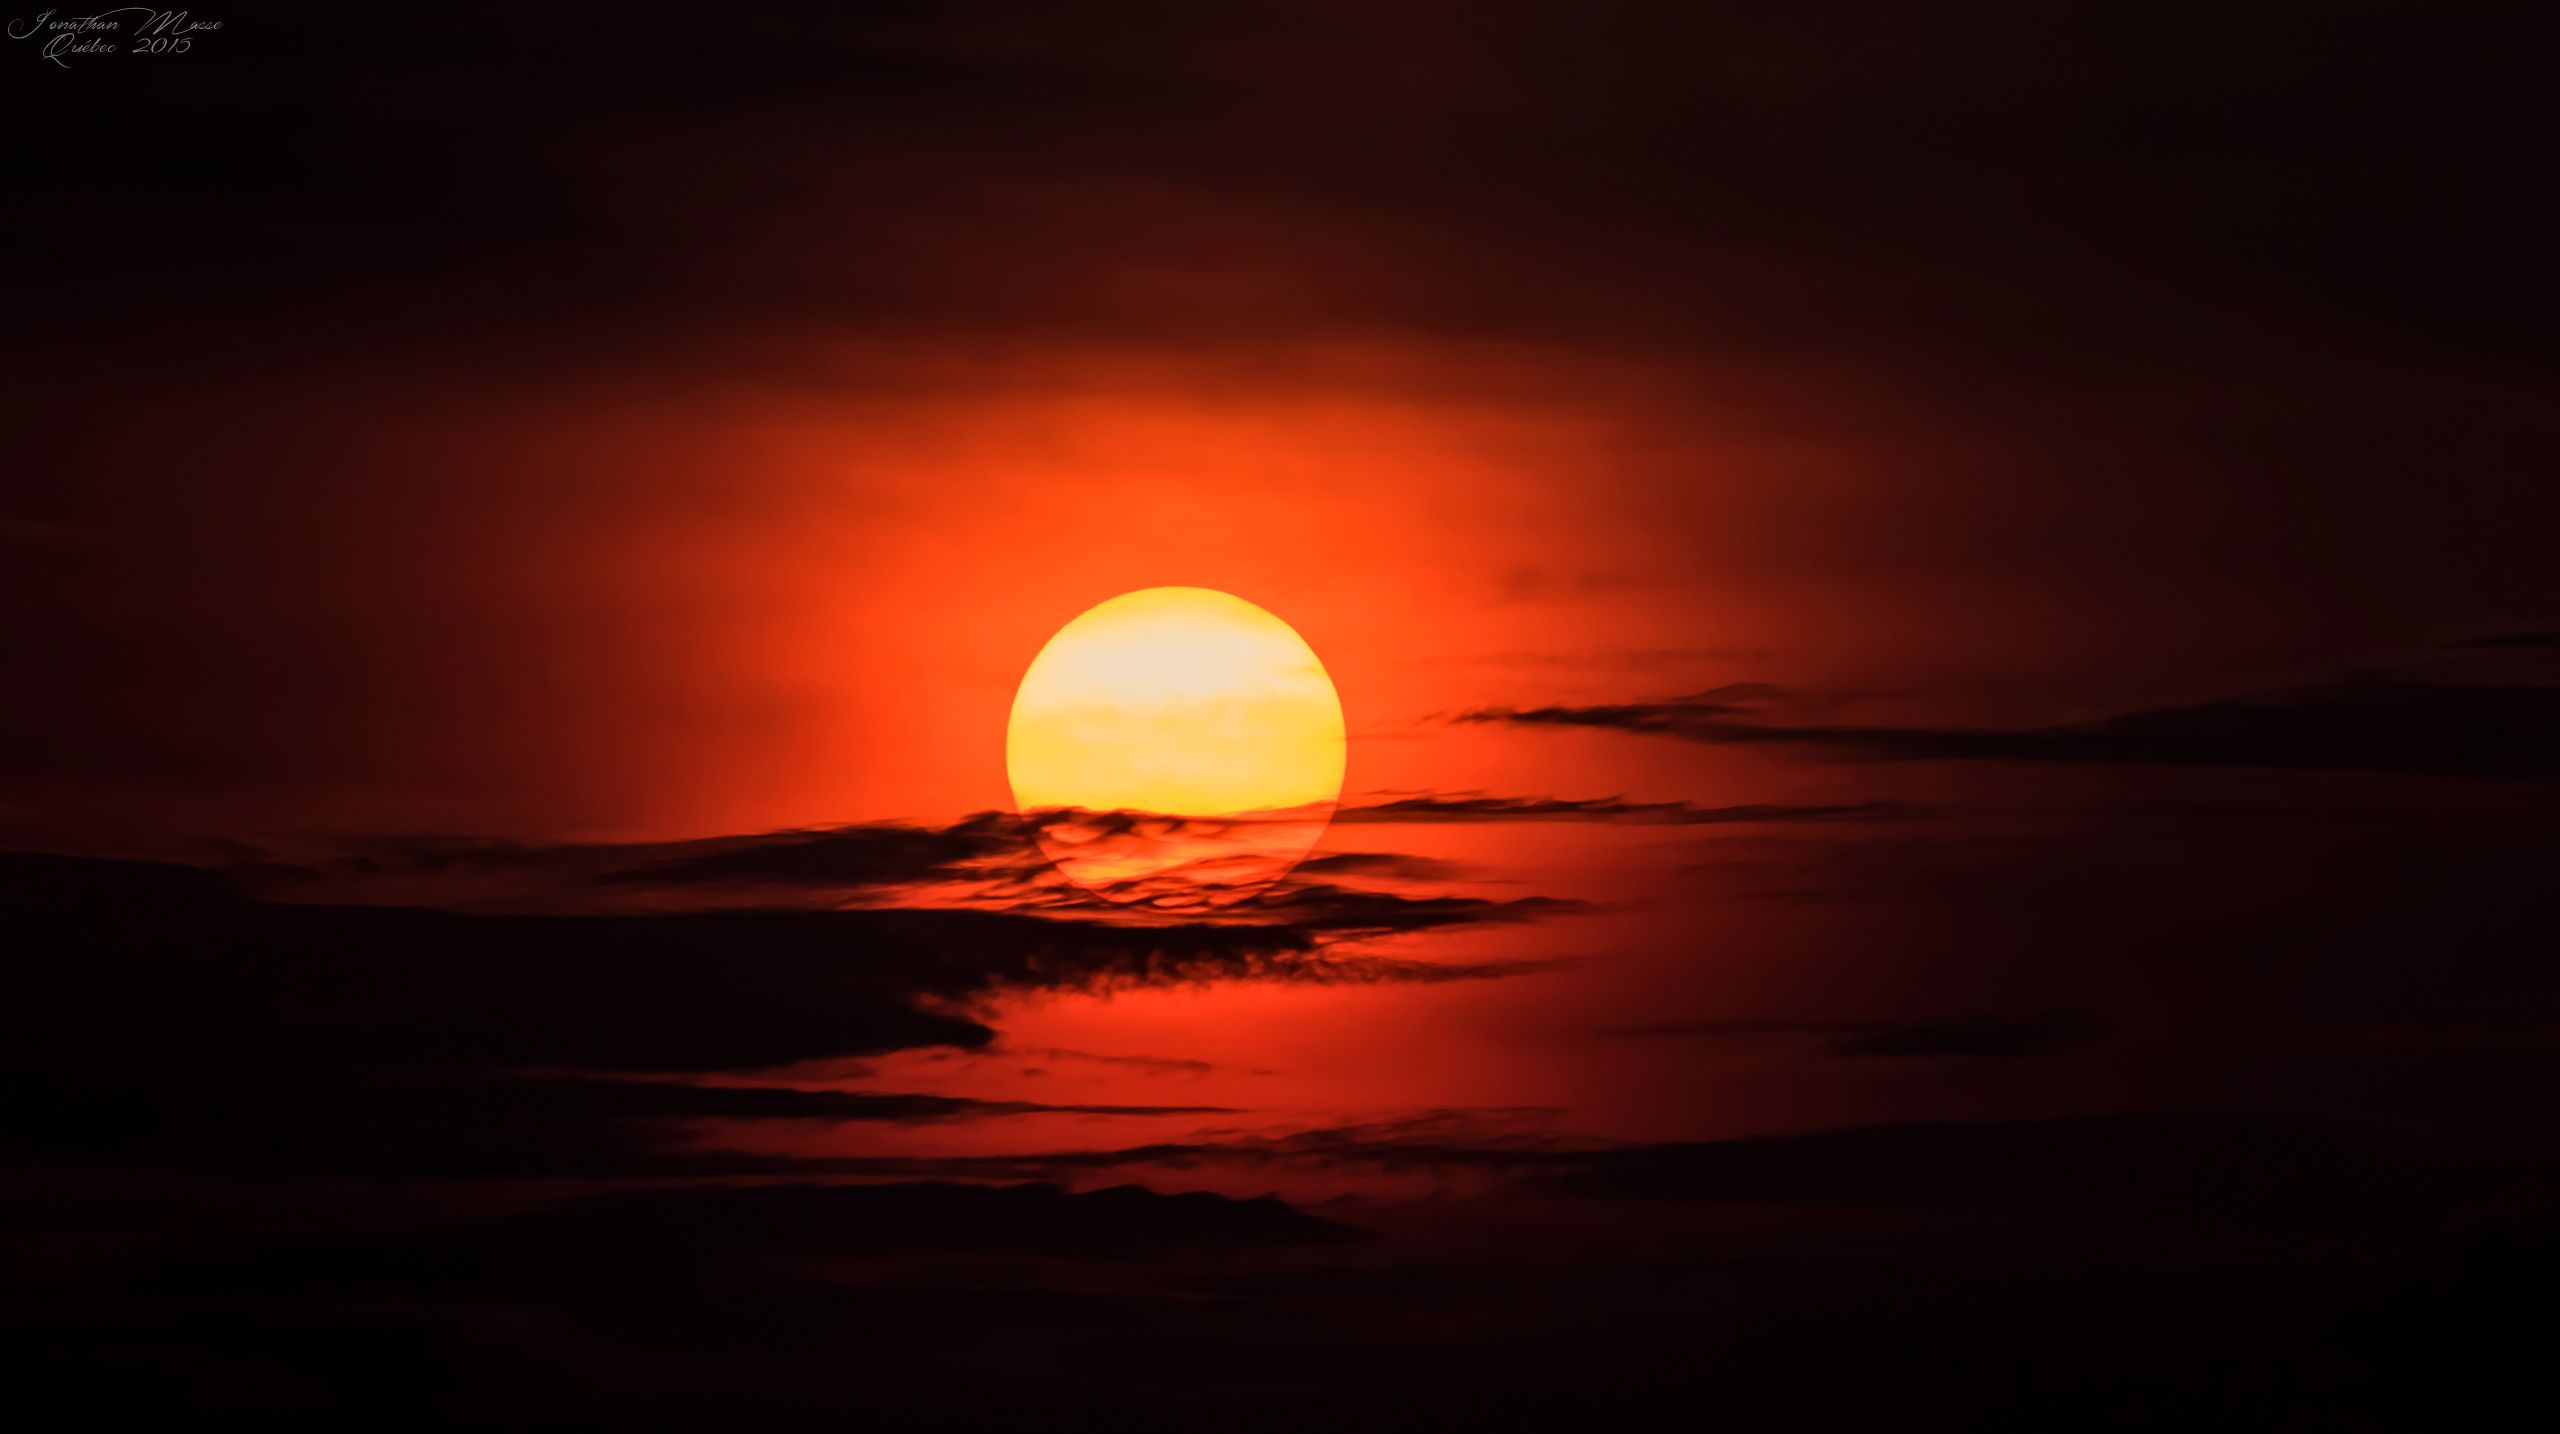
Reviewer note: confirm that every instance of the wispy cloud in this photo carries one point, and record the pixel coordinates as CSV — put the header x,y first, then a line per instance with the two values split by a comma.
x,y
2369,724
1478,807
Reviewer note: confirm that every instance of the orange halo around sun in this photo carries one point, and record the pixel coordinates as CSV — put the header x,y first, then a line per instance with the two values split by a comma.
x,y
1191,705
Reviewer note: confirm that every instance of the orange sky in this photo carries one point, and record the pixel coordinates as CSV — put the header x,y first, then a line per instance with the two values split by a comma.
x,y
641,612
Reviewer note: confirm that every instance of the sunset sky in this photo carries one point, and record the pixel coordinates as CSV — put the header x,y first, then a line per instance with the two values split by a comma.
x,y
1944,618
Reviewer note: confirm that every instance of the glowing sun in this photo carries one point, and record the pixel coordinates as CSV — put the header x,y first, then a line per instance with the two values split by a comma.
x,y
1191,705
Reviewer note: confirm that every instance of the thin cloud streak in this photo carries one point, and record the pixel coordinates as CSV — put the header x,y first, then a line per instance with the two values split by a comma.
x,y
2369,724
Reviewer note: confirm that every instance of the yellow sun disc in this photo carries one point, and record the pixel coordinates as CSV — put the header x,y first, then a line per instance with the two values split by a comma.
x,y
1187,703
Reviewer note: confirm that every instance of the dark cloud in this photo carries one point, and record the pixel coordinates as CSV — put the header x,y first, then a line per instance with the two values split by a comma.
x,y
309,1113
659,1309
1345,912
1389,865
1498,1142
989,863
599,1244
2242,1167
2547,638
656,1100
1993,1037
869,856
790,1282
1156,1065
1897,1283
159,1012
995,859
1478,807
1000,855
876,855
2369,725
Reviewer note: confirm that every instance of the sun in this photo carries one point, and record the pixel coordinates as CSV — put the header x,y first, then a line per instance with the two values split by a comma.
x,y
1185,703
